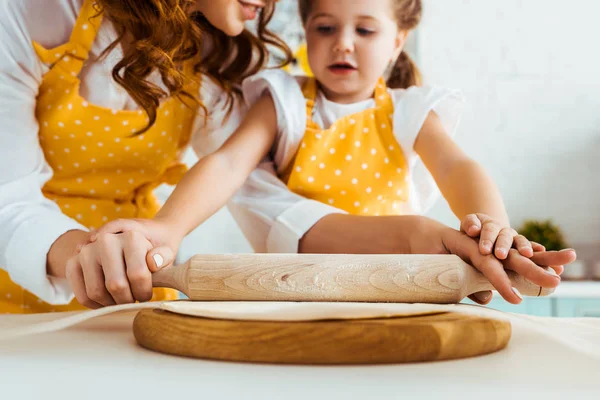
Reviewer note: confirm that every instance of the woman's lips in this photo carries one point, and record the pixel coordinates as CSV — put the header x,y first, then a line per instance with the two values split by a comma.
x,y
250,9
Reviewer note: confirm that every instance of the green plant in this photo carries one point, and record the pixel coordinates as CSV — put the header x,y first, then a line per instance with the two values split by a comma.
x,y
545,233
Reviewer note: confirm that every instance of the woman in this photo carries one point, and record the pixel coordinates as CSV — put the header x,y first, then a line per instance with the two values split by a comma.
x,y
98,100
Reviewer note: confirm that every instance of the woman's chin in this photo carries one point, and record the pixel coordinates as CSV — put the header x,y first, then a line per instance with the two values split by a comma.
x,y
233,29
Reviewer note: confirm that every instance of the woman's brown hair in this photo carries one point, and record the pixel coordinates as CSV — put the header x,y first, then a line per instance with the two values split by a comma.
x,y
163,34
405,72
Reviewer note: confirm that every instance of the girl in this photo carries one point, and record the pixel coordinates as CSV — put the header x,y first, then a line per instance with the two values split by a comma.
x,y
345,139
98,98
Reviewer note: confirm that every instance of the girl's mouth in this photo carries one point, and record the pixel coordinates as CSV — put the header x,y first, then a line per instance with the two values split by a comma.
x,y
342,68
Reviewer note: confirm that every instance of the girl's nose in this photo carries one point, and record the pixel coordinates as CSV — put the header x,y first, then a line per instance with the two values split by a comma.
x,y
344,42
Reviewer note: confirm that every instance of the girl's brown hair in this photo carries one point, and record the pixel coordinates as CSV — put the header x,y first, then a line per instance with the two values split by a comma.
x,y
405,72
163,34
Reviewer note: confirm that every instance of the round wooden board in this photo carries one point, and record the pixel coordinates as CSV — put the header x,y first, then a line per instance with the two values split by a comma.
x,y
444,336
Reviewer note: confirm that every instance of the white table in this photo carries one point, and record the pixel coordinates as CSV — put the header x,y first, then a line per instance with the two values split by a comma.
x,y
100,359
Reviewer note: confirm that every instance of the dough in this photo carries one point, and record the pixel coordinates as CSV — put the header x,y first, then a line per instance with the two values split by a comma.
x,y
302,311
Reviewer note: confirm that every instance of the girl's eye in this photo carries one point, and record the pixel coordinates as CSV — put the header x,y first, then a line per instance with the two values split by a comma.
x,y
365,31
325,29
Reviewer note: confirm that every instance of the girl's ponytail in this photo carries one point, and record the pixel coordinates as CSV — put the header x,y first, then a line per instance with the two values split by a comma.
x,y
404,73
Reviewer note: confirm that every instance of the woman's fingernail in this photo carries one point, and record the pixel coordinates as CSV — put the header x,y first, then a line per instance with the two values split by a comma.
x,y
516,291
551,272
567,250
158,260
483,296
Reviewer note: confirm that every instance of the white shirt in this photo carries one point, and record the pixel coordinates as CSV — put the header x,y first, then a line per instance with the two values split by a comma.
x,y
411,108
272,218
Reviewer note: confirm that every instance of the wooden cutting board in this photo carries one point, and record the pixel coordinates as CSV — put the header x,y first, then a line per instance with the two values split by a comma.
x,y
437,337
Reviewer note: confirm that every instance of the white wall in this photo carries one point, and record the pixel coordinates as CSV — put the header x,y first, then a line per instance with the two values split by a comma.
x,y
530,72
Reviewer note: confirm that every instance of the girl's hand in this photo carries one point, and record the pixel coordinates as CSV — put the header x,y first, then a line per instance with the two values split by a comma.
x,y
165,242
432,237
494,238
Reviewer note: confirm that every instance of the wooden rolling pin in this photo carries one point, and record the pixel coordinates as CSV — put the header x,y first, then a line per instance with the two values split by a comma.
x,y
441,279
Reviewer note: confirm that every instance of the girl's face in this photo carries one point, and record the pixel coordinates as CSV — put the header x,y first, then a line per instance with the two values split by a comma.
x,y
350,45
229,16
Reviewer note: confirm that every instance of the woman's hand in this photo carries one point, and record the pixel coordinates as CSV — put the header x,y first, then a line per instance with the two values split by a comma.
x,y
115,267
494,238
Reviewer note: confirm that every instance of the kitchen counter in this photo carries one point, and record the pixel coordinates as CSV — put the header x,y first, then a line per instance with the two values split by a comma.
x,y
578,290
99,359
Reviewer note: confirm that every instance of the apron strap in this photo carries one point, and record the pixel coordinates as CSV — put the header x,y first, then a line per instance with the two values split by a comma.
x,y
383,99
72,55
310,90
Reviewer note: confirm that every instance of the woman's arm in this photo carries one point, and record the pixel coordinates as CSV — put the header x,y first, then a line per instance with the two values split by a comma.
x,y
352,234
30,224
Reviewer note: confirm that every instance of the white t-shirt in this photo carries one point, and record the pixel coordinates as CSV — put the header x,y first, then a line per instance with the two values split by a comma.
x,y
272,218
411,108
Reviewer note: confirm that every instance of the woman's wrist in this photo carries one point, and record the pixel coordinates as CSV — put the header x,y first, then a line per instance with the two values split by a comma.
x,y
65,247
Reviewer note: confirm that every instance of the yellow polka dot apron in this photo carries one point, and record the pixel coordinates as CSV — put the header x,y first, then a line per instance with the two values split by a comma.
x,y
356,164
102,169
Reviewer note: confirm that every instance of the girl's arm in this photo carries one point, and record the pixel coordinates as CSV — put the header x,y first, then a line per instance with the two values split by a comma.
x,y
469,190
215,178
